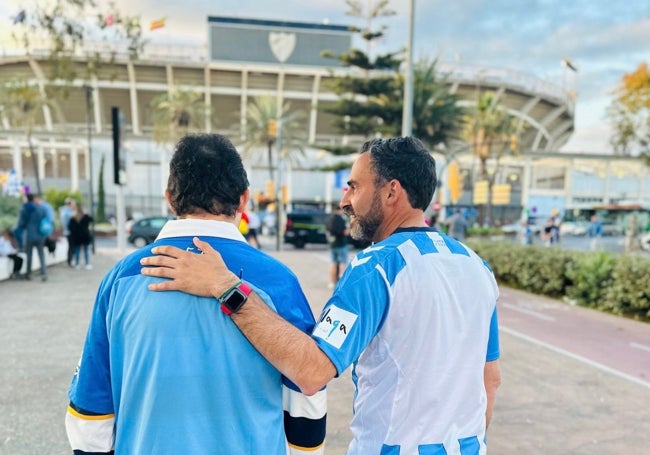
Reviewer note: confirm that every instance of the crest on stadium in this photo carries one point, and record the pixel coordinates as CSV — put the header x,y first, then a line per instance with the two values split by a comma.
x,y
282,45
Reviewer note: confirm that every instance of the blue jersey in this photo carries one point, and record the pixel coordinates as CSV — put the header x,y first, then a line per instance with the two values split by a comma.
x,y
169,373
416,314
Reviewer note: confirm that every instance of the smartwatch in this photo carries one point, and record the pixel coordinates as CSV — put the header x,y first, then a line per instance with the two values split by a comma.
x,y
234,298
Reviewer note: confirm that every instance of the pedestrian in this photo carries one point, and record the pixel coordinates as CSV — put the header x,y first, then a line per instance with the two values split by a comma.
x,y
254,224
66,212
171,373
29,221
595,232
9,248
337,228
81,237
458,226
549,233
526,233
415,313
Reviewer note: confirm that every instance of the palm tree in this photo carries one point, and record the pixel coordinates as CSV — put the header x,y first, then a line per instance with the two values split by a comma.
x,y
491,133
266,124
22,101
437,116
175,114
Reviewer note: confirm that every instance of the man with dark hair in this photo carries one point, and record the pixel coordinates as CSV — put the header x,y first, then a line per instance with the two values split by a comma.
x,y
171,373
415,313
29,221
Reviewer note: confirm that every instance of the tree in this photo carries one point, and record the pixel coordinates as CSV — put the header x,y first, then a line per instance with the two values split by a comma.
x,y
491,134
368,97
629,113
265,121
23,101
67,25
175,114
437,116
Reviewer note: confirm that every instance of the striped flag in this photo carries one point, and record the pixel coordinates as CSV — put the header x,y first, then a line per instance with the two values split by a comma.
x,y
160,23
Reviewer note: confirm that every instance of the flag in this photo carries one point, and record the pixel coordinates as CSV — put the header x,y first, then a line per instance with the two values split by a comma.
x,y
160,23
110,19
20,17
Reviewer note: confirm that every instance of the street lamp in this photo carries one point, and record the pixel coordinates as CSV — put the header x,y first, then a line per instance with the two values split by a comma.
x,y
89,90
407,109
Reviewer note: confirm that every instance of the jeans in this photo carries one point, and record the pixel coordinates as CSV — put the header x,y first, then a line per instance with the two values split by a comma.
x,y
40,249
77,249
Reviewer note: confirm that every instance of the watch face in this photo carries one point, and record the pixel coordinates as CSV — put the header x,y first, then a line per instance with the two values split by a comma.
x,y
235,299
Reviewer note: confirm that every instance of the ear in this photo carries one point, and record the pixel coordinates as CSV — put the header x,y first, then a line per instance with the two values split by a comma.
x,y
393,191
243,201
168,197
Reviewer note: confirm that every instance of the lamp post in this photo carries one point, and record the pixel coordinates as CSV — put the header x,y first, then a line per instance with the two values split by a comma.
x,y
89,90
407,109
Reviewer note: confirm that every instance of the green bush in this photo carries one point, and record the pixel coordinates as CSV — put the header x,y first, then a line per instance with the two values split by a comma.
x,y
9,209
591,277
613,283
629,293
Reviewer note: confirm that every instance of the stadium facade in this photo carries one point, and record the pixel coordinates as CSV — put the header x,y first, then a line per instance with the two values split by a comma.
x,y
246,58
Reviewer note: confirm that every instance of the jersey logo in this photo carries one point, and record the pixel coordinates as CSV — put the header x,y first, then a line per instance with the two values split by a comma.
x,y
334,325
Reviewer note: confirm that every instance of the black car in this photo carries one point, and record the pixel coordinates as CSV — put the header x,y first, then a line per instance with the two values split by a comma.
x,y
145,230
305,227
309,227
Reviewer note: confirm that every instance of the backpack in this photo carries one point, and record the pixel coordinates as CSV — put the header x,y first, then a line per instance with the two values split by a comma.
x,y
45,226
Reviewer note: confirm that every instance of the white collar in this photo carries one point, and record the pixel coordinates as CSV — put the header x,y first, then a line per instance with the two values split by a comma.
x,y
195,227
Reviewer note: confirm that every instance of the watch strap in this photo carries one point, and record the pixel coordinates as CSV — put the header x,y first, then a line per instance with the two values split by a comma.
x,y
241,288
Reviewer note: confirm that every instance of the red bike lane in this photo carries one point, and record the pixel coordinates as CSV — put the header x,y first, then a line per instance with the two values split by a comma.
x,y
611,343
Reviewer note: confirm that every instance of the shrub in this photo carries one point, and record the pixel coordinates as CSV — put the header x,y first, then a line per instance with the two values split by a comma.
x,y
591,277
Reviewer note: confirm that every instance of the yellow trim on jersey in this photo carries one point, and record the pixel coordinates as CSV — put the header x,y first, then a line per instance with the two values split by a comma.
x,y
87,417
306,449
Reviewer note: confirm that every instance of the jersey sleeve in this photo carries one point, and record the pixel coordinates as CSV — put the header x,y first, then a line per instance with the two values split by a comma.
x,y
90,417
353,315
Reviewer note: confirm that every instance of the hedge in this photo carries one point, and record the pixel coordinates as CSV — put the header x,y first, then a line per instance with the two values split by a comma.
x,y
618,284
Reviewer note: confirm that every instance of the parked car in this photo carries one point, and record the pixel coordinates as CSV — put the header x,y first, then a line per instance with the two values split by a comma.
x,y
145,230
309,227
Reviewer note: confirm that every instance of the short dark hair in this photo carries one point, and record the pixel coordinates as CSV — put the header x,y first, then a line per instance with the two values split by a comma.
x,y
30,197
406,160
206,174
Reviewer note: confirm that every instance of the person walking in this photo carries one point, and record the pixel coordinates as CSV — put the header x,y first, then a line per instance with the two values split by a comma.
x,y
337,228
254,225
66,212
29,221
595,232
458,226
171,373
415,313
80,234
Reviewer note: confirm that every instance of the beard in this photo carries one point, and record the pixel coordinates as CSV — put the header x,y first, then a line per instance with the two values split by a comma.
x,y
364,227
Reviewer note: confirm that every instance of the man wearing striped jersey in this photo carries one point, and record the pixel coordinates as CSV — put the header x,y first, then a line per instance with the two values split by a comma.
x,y
171,373
415,314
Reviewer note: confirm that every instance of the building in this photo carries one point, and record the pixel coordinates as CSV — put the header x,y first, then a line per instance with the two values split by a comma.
x,y
246,58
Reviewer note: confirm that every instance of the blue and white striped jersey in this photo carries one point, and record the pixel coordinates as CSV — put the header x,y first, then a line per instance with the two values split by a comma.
x,y
416,314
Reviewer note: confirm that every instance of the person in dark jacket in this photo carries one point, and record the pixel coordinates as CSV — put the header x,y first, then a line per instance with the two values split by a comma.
x,y
29,221
79,227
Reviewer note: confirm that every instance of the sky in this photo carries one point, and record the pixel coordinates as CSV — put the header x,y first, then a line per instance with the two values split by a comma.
x,y
604,39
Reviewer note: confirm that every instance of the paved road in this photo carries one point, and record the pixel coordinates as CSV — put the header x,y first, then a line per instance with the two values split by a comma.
x,y
552,401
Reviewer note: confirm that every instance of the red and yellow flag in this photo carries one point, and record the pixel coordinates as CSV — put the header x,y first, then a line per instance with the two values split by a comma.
x,y
160,23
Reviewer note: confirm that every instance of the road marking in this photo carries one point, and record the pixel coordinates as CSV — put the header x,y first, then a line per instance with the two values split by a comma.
x,y
577,357
535,314
643,347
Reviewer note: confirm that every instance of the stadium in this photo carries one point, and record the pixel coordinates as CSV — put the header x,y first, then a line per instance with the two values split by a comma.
x,y
246,58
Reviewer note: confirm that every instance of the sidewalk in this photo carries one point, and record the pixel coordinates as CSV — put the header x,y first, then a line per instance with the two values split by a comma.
x,y
548,403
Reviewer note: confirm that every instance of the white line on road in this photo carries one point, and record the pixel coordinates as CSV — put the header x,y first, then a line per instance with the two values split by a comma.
x,y
643,347
545,317
577,357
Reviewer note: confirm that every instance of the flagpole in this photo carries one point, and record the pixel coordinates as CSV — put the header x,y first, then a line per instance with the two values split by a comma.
x,y
407,109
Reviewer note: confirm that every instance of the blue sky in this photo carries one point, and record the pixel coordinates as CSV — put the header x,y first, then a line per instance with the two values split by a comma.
x,y
603,38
